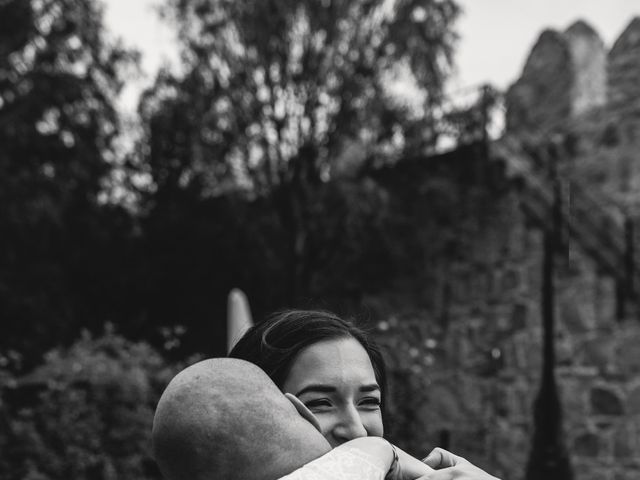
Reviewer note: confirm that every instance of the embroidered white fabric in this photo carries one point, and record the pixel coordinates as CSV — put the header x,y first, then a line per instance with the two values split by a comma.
x,y
340,464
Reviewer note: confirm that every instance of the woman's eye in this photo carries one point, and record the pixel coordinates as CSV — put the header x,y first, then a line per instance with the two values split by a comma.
x,y
370,402
318,403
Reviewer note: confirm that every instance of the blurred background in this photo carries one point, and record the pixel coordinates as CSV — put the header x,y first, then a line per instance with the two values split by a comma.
x,y
460,176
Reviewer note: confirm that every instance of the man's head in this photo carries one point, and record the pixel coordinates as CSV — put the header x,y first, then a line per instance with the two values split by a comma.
x,y
224,418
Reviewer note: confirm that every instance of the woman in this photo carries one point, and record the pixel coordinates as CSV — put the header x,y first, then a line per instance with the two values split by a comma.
x,y
332,366
338,372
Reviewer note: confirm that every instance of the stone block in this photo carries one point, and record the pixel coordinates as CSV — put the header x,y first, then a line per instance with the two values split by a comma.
x,y
564,351
584,470
564,76
589,58
521,398
605,302
534,277
626,441
519,316
624,69
512,448
631,474
511,279
628,353
517,237
598,352
606,401
633,401
575,314
526,351
539,97
574,402
586,444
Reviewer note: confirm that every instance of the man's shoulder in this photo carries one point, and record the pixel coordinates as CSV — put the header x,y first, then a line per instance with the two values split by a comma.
x,y
339,464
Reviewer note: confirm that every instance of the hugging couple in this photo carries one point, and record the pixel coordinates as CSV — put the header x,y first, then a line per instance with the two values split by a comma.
x,y
300,398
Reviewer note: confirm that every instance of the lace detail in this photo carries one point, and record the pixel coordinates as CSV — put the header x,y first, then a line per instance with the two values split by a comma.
x,y
340,464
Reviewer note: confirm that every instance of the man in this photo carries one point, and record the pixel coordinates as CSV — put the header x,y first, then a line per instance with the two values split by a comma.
x,y
225,419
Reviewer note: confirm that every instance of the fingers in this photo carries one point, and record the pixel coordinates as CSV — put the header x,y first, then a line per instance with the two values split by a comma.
x,y
441,458
412,468
440,475
466,472
452,467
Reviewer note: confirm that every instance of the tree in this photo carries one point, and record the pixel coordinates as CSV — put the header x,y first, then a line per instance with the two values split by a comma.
x,y
85,413
59,77
277,97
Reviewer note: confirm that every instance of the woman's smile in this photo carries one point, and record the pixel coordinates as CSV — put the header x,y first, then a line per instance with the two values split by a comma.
x,y
336,381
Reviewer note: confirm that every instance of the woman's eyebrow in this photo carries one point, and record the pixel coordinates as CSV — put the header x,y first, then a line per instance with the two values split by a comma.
x,y
322,388
317,388
370,388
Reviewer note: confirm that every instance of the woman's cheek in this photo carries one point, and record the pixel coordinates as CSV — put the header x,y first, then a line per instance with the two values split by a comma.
x,y
373,423
326,422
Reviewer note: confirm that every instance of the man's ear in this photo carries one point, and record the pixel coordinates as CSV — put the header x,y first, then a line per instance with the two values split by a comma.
x,y
304,411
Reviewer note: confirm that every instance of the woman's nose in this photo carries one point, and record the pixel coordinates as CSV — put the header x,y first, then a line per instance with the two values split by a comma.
x,y
349,426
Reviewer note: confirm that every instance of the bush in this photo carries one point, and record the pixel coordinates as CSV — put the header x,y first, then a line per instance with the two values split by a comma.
x,y
86,413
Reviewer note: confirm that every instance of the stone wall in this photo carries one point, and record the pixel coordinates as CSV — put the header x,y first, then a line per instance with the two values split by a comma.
x,y
564,76
598,370
589,60
464,337
464,345
623,67
540,97
593,100
466,352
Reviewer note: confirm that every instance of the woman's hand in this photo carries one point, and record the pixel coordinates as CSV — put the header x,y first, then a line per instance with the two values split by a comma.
x,y
411,468
452,467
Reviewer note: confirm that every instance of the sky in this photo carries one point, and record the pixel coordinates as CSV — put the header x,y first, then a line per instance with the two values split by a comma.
x,y
495,35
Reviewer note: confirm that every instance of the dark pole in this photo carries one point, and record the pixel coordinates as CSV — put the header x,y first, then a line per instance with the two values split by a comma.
x,y
625,286
549,458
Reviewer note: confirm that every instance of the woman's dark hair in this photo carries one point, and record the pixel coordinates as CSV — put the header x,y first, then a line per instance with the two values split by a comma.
x,y
274,343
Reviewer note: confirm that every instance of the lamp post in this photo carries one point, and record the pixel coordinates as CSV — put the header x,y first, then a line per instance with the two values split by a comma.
x,y
549,458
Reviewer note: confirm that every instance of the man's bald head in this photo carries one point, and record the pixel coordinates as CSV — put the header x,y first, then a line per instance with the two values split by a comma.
x,y
224,418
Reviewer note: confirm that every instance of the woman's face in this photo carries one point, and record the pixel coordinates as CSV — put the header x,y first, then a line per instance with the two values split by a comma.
x,y
336,381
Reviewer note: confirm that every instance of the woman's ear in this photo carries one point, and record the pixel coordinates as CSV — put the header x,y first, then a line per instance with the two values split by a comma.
x,y
303,411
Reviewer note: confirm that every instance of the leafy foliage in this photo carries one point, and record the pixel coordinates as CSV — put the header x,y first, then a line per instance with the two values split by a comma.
x,y
279,97
278,91
59,77
86,413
